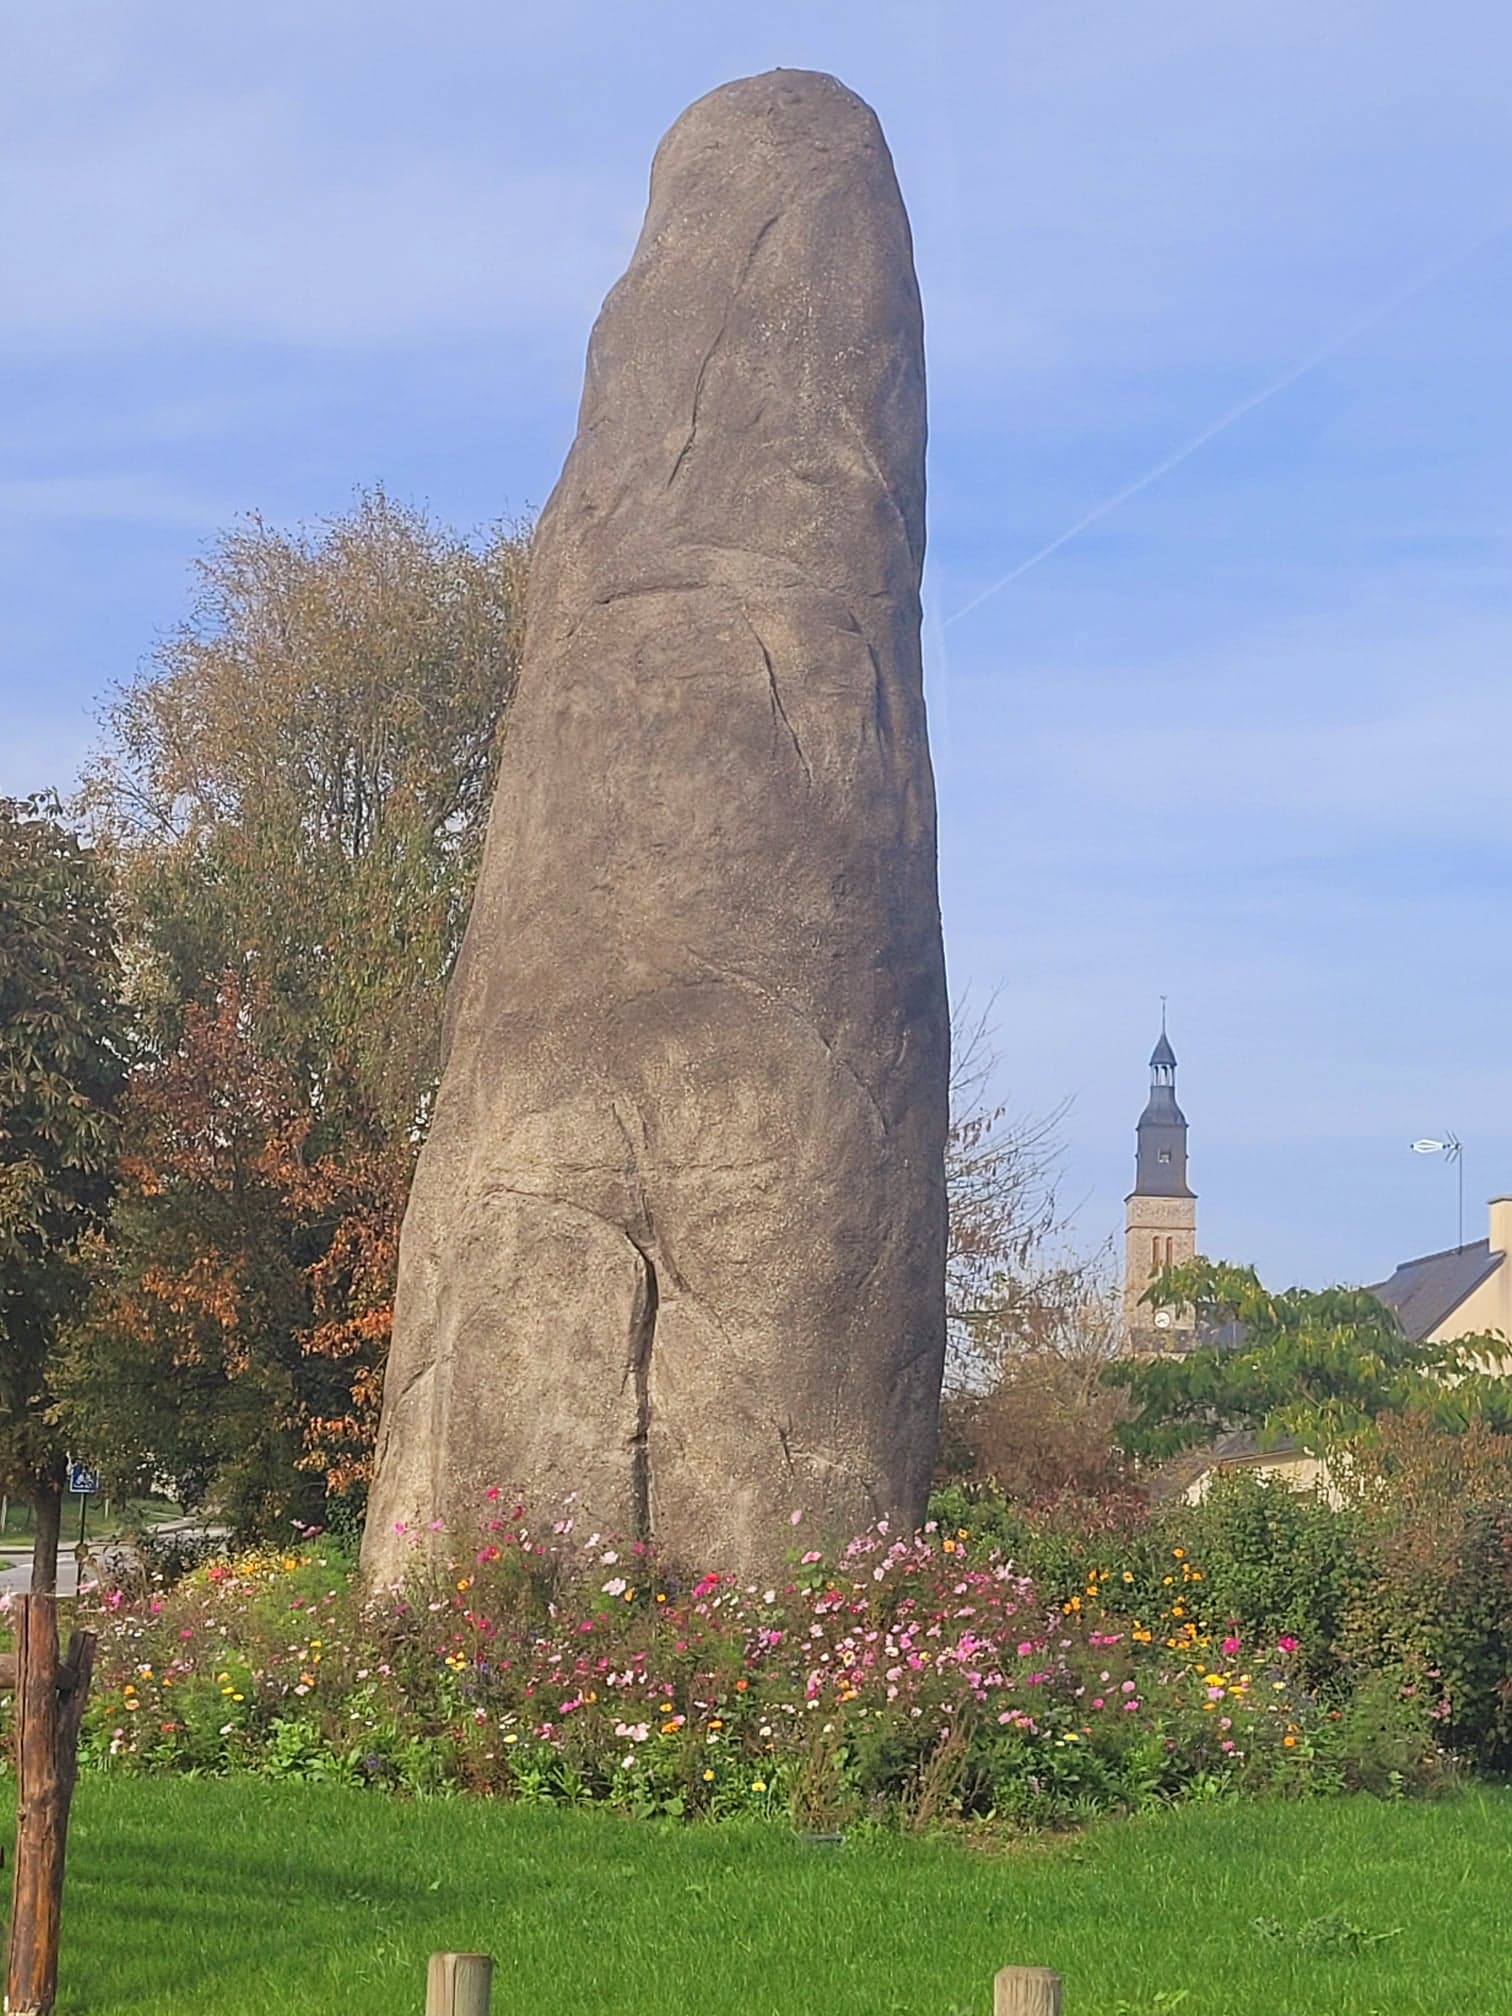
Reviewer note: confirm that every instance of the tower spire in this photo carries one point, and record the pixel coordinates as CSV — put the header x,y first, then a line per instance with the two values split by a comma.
x,y
1160,1213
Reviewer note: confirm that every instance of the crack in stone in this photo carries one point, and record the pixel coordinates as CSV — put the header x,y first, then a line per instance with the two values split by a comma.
x,y
727,976
779,712
708,356
642,1346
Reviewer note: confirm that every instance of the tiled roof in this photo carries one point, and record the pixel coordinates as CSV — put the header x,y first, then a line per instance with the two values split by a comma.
x,y
1423,1292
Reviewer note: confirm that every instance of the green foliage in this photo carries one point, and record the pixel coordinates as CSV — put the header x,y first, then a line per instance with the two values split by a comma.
x,y
299,784
1319,1364
62,1068
1334,1932
1438,1511
1275,1561
295,792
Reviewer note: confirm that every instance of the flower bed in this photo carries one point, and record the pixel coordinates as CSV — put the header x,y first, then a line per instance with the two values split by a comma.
x,y
909,1679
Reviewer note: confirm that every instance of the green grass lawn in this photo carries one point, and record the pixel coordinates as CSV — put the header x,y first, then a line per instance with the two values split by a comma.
x,y
244,1897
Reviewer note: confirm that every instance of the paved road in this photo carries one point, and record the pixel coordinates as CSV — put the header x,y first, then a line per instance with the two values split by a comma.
x,y
15,1565
15,1574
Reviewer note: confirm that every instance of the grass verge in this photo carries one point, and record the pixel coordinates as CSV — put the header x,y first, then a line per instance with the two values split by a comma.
x,y
244,1896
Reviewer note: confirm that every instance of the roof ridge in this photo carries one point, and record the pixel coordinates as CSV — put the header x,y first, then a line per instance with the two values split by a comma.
x,y
1444,1253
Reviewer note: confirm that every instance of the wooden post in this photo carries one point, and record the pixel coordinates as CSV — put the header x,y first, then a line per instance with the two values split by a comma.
x,y
49,1706
458,1984
1026,1991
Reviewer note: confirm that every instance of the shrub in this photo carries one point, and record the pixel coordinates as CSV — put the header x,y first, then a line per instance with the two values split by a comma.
x,y
1439,1604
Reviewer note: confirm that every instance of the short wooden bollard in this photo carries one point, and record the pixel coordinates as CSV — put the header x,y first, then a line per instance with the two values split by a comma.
x,y
458,1984
1026,1991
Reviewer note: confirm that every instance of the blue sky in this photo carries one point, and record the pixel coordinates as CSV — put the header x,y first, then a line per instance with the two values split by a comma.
x,y
1244,741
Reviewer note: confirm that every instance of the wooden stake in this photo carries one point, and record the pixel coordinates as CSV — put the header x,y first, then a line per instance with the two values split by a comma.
x,y
458,1984
1026,1991
49,1706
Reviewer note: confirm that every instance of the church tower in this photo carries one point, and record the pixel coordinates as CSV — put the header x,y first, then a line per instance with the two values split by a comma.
x,y
1160,1212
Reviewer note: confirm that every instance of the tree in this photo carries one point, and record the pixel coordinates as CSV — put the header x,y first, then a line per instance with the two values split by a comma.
x,y
62,1069
1032,1322
1002,1204
1038,1422
296,790
1319,1364
298,787
228,1343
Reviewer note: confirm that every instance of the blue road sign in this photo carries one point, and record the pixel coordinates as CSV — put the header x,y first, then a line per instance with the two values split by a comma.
x,y
81,1481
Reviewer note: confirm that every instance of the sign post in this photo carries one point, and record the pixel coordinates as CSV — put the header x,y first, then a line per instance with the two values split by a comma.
x,y
84,1483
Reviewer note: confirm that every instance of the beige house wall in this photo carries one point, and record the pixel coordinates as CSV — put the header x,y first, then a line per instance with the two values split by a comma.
x,y
1298,1470
1489,1306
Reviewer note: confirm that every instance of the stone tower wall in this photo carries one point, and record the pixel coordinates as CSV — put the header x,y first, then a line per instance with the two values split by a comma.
x,y
1172,1219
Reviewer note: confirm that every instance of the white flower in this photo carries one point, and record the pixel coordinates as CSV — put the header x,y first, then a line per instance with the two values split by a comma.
x,y
227,1728
615,1586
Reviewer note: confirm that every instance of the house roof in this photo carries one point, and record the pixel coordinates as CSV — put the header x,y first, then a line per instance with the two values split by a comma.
x,y
1423,1292
1228,1452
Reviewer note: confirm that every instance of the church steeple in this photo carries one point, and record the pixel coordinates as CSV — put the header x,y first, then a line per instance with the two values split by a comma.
x,y
1160,1212
1160,1165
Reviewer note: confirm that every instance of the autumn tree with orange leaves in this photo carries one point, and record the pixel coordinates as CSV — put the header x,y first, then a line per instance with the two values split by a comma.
x,y
295,793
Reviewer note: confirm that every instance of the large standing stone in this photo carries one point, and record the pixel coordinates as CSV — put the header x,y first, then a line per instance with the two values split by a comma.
x,y
676,1241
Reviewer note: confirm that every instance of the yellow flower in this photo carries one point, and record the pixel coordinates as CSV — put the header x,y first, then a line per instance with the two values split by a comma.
x,y
1128,1575
1289,1742
709,1774
758,1784
960,1532
511,1737
465,1582
1178,1553
949,1546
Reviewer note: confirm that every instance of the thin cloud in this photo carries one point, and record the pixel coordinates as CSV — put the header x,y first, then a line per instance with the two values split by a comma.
x,y
1270,390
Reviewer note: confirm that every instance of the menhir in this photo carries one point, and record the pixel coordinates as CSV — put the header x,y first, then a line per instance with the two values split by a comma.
x,y
675,1248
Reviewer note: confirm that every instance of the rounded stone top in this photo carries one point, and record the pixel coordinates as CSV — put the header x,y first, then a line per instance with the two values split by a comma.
x,y
752,118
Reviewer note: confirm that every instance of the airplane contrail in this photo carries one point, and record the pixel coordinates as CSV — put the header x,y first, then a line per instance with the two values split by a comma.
x,y
1226,420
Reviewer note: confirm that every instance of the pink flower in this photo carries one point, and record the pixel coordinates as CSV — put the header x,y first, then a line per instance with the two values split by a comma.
x,y
1231,1646
1286,1642
796,1520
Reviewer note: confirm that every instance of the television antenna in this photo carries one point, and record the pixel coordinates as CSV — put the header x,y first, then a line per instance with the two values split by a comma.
x,y
1452,1149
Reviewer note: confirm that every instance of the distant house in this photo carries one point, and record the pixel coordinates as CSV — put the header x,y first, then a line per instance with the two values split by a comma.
x,y
1464,1291
1190,1476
